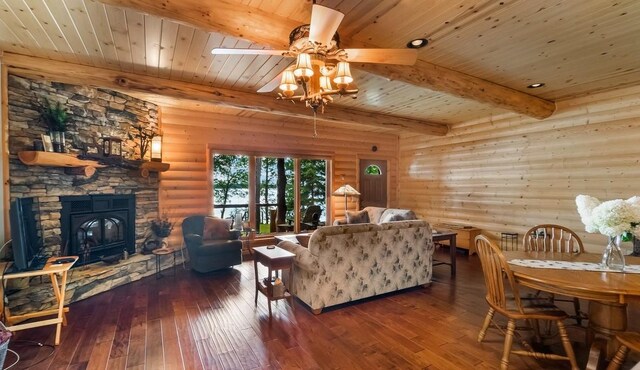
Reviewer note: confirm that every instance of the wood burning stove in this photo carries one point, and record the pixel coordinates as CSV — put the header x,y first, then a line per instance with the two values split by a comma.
x,y
96,226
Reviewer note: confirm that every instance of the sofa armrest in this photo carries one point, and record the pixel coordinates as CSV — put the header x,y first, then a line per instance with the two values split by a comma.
x,y
303,259
341,221
193,239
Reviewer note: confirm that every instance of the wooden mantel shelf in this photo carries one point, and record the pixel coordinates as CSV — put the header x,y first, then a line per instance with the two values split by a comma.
x,y
50,159
87,167
147,167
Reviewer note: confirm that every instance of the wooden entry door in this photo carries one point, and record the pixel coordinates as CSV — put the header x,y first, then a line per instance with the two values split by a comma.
x,y
373,183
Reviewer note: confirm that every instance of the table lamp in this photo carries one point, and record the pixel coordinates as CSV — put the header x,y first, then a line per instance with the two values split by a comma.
x,y
347,191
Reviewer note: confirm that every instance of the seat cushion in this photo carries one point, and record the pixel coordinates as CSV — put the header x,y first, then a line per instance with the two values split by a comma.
x,y
213,247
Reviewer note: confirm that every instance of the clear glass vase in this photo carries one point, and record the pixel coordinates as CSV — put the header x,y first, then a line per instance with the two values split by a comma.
x,y
612,257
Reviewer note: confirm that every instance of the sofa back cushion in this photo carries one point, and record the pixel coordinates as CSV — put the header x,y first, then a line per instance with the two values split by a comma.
x,y
216,229
374,213
394,214
359,217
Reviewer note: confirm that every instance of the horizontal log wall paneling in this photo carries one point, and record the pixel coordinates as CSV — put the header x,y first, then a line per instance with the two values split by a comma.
x,y
185,188
511,172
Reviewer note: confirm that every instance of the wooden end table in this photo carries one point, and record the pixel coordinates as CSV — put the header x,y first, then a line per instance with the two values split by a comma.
x,y
275,259
451,238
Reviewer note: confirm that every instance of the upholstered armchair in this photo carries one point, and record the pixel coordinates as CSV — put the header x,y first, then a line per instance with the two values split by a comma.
x,y
211,245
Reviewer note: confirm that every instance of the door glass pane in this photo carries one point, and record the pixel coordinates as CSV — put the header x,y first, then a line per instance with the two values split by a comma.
x,y
372,169
313,194
231,186
274,194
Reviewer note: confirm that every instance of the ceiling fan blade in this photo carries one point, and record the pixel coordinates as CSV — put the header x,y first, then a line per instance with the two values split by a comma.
x,y
324,24
384,56
273,84
222,51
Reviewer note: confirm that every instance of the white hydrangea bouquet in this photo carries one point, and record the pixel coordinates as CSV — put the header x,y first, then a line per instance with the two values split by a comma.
x,y
611,218
618,219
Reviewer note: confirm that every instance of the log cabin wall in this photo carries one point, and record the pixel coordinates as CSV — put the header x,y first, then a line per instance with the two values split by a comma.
x,y
185,189
506,174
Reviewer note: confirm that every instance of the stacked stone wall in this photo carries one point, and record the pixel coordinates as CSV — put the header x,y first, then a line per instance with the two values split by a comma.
x,y
94,114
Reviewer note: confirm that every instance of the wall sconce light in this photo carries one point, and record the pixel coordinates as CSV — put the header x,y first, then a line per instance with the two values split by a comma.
x,y
156,148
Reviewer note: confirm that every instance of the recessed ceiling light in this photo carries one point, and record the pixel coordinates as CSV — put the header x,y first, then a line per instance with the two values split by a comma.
x,y
417,43
536,85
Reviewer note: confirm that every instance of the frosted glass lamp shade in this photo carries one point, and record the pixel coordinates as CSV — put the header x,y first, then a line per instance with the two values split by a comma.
x,y
156,149
303,69
288,83
343,75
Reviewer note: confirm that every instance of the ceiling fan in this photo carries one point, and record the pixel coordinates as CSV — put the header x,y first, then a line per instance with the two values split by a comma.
x,y
320,61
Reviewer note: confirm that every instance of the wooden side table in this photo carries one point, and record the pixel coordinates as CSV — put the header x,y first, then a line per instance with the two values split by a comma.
x,y
275,259
451,238
53,269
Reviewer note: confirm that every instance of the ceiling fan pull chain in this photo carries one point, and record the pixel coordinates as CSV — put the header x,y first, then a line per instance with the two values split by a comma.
x,y
315,132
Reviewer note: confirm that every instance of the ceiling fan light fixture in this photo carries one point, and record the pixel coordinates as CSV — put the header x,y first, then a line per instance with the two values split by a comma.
x,y
343,75
303,68
325,83
535,85
288,83
417,43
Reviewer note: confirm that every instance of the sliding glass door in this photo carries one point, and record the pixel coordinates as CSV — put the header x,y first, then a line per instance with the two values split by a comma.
x,y
231,186
272,194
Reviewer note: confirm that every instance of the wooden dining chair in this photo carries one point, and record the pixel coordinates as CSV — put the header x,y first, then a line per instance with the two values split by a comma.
x,y
498,279
628,341
558,239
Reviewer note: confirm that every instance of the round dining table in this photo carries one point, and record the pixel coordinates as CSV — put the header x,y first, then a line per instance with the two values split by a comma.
x,y
607,292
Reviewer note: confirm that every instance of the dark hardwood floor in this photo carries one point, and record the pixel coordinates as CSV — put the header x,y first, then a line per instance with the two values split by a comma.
x,y
196,321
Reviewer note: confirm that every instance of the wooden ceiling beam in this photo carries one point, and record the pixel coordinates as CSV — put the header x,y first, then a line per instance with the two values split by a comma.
x,y
154,88
268,29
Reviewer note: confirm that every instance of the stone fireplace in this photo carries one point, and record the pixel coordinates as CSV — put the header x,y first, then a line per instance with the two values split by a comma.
x,y
107,212
96,226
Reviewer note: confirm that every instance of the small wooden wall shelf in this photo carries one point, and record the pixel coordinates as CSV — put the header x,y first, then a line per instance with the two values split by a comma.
x,y
50,159
147,167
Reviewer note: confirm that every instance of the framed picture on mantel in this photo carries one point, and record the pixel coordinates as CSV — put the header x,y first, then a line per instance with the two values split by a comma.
x,y
47,143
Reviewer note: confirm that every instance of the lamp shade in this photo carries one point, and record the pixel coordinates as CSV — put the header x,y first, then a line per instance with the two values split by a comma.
x,y
156,148
288,83
303,66
343,75
325,83
346,190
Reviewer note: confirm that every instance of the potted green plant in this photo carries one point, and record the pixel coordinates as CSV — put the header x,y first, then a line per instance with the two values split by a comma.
x,y
161,229
56,117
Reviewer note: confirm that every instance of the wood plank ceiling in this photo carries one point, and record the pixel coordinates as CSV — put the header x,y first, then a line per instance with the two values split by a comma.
x,y
575,48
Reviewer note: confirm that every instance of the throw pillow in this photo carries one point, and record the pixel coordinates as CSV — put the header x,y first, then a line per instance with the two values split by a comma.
x,y
361,217
303,239
216,229
397,215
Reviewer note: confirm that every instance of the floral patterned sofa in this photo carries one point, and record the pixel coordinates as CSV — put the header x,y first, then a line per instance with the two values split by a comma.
x,y
350,262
